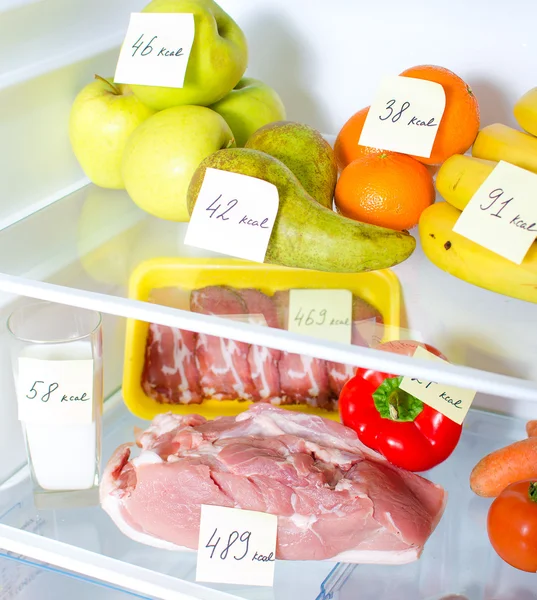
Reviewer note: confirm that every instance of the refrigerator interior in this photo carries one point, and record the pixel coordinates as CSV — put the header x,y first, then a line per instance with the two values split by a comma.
x,y
65,240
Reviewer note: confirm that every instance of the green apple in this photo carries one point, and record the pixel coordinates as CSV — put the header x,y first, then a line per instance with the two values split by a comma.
x,y
217,61
163,153
103,116
248,107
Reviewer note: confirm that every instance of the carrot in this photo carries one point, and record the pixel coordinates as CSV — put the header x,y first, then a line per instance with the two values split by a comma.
x,y
505,466
531,428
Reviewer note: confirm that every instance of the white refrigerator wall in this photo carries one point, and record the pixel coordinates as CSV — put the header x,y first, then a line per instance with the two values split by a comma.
x,y
326,58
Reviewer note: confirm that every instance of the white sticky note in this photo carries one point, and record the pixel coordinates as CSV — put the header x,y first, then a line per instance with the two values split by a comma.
x,y
55,391
502,214
405,116
234,215
156,49
236,546
451,401
324,314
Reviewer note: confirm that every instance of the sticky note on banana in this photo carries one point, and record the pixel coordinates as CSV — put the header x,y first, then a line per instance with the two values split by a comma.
x,y
502,214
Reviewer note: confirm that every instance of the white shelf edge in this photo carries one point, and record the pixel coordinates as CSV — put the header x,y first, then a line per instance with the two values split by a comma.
x,y
60,60
32,209
104,568
460,376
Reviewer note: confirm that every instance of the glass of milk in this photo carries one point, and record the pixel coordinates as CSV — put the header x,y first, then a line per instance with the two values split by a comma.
x,y
57,365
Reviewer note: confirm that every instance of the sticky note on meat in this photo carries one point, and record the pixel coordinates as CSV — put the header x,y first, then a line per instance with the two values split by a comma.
x,y
236,546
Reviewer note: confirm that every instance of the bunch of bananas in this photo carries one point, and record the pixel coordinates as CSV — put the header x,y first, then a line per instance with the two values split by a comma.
x,y
457,181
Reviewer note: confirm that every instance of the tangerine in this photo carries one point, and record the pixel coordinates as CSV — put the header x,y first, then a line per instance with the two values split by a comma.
x,y
346,147
460,123
389,190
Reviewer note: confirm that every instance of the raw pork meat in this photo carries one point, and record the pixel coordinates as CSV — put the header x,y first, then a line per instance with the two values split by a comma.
x,y
334,497
223,364
263,361
170,373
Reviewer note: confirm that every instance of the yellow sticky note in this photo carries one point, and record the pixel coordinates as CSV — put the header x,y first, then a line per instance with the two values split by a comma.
x,y
404,116
325,314
502,214
451,401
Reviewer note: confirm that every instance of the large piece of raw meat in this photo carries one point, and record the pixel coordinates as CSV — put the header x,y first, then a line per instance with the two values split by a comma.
x,y
335,498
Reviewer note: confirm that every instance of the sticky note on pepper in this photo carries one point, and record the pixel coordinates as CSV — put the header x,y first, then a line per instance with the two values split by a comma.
x,y
451,401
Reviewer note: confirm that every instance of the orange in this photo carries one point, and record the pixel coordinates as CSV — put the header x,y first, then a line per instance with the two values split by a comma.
x,y
460,123
390,190
346,146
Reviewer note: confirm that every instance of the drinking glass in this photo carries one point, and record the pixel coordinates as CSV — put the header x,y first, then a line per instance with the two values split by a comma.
x,y
56,354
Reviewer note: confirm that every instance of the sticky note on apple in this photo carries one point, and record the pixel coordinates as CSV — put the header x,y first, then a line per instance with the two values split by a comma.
x,y
156,49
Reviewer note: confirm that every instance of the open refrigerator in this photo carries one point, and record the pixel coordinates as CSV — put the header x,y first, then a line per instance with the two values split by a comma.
x,y
64,240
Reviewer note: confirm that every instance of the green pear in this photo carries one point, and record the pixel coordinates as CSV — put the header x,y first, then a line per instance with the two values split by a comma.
x,y
103,116
249,106
305,234
217,61
163,153
305,151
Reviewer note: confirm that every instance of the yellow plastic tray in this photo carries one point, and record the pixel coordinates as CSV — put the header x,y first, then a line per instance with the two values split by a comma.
x,y
379,288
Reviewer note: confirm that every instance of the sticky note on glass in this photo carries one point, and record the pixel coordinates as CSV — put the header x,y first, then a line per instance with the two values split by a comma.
x,y
404,116
236,546
451,401
234,215
156,49
502,214
57,392
324,314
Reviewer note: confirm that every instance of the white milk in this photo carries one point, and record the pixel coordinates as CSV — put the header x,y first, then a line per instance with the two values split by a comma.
x,y
65,457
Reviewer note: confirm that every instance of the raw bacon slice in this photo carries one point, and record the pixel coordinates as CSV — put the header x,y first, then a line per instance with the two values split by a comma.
x,y
334,497
263,361
170,373
303,379
223,364
338,373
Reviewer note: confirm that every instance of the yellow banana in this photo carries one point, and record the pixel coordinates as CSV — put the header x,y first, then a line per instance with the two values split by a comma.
x,y
525,111
473,263
460,177
499,142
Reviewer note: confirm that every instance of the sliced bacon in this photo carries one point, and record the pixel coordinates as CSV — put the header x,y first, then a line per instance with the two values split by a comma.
x,y
223,364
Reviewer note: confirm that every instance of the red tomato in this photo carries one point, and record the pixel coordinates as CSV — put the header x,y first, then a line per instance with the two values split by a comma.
x,y
512,525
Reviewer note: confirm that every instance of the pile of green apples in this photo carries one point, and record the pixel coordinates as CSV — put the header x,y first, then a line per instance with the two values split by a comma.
x,y
149,140
157,142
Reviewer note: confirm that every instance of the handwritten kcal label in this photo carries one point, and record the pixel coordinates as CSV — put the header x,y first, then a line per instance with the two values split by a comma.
x,y
234,215
236,546
325,314
404,116
156,49
451,401
502,214
55,391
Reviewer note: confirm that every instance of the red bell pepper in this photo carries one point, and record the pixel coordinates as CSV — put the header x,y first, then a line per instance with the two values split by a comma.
x,y
407,432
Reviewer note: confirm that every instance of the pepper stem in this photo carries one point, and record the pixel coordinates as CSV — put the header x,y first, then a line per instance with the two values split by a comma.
x,y
115,89
394,403
532,492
